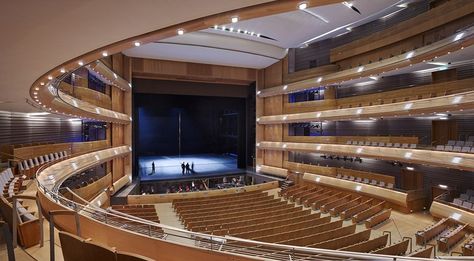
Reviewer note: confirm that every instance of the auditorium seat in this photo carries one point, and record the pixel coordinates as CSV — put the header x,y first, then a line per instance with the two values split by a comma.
x,y
440,147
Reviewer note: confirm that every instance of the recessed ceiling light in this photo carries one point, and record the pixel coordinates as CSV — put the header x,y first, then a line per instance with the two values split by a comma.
x,y
180,31
285,87
50,77
80,63
136,44
458,36
35,93
37,89
234,19
62,70
410,168
302,6
105,54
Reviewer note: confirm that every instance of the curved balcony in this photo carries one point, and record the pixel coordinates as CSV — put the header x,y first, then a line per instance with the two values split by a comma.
x,y
456,102
113,228
445,46
56,101
455,160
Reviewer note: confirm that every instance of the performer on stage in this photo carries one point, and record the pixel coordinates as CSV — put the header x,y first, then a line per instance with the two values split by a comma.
x,y
183,167
153,167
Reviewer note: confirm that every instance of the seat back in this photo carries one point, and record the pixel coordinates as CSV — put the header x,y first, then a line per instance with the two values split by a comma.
x,y
73,247
96,251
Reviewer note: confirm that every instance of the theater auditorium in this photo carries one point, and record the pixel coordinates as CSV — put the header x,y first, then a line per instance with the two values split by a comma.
x,y
237,130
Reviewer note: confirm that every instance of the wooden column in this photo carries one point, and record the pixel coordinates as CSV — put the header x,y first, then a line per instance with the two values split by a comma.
x,y
121,102
269,77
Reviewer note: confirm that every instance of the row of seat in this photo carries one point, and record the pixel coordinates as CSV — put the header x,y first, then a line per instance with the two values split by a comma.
x,y
451,237
30,166
366,181
9,183
461,143
28,224
336,202
468,247
465,200
447,231
381,144
450,148
147,212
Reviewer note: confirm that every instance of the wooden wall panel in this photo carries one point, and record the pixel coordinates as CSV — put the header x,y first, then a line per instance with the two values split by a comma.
x,y
184,71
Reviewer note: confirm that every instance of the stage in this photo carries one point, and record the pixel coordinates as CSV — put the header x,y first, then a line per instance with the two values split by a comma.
x,y
205,165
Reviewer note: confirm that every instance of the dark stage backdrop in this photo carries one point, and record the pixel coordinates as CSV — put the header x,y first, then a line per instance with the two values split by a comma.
x,y
208,125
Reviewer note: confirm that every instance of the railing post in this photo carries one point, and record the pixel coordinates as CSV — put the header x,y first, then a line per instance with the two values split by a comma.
x,y
15,222
9,242
40,217
51,237
78,224
149,230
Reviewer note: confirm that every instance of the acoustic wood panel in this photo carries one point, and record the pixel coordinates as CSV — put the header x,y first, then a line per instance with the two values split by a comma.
x,y
344,139
18,128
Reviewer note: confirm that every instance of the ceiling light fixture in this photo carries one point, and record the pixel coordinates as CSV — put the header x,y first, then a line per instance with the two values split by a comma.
x,y
50,77
181,31
410,55
302,6
137,44
80,63
234,19
105,54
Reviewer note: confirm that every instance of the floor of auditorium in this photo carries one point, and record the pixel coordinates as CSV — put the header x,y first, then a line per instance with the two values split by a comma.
x,y
400,225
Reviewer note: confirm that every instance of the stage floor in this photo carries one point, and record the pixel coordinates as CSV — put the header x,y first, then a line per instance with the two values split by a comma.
x,y
169,167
